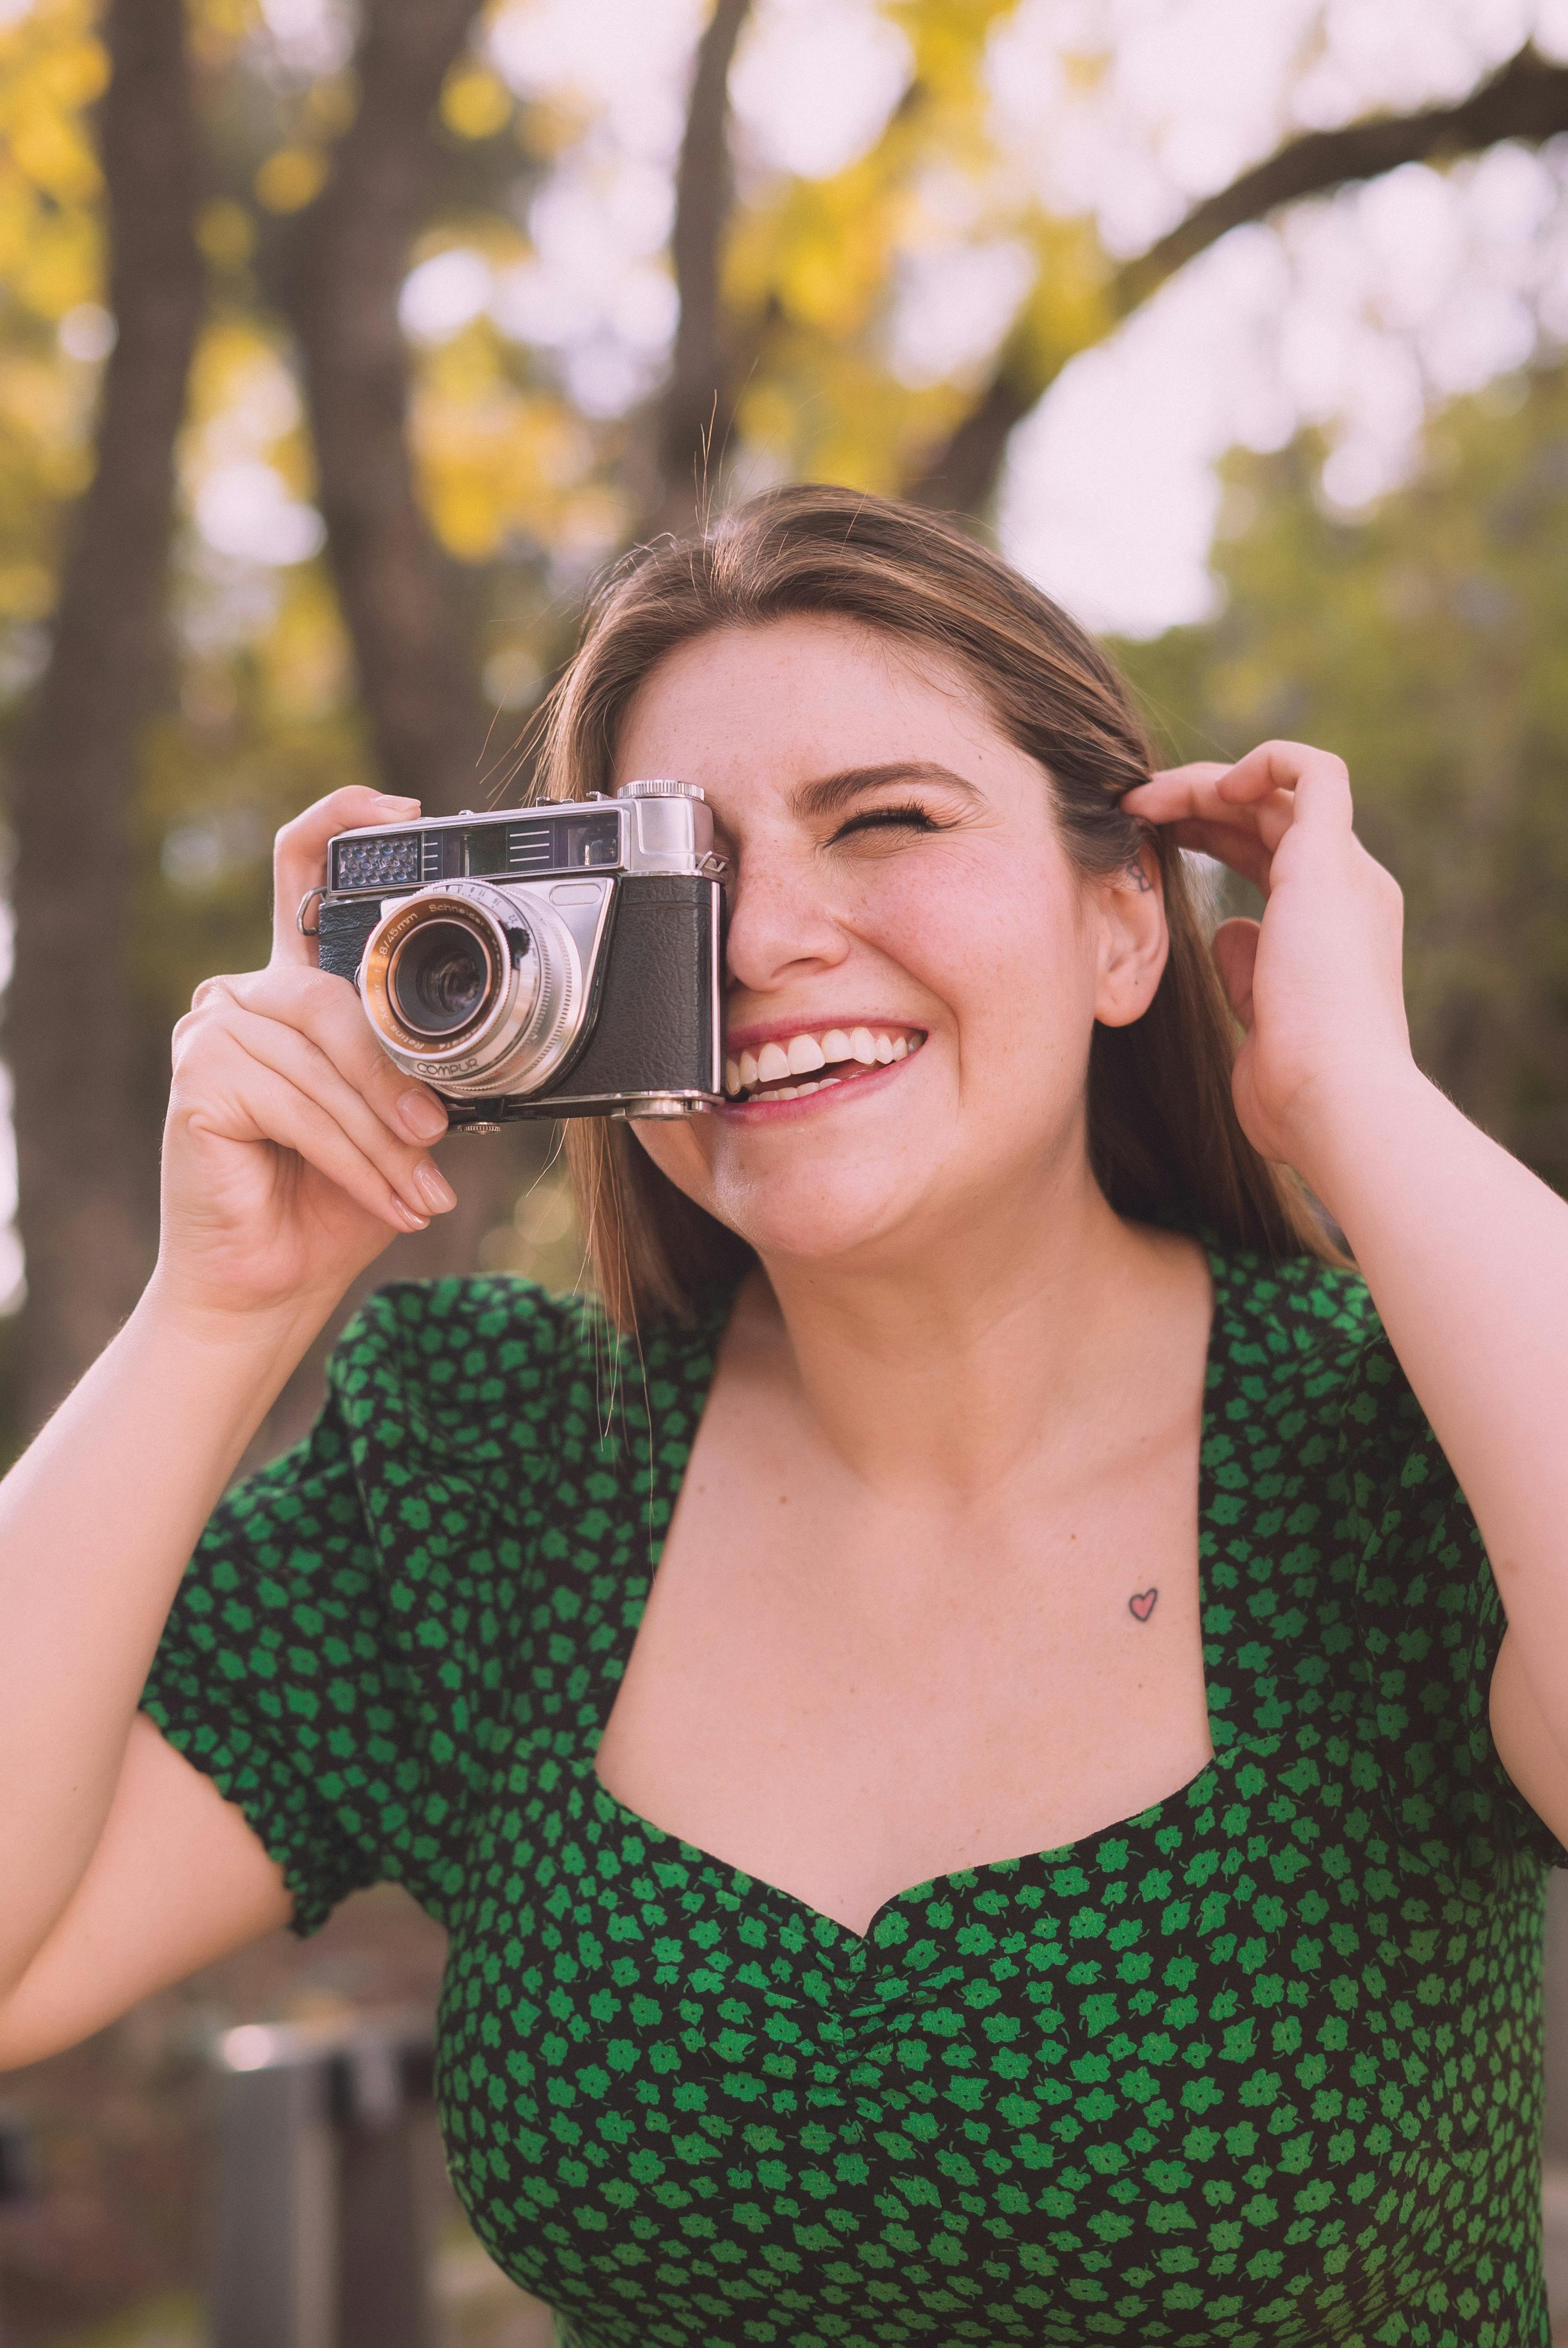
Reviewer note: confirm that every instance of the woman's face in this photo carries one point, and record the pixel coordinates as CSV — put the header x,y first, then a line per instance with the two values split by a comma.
x,y
911,955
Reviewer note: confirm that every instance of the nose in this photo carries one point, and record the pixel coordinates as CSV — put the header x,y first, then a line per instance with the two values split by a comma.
x,y
781,924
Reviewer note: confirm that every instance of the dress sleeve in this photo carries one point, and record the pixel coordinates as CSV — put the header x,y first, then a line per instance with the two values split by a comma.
x,y
1431,1622
276,1678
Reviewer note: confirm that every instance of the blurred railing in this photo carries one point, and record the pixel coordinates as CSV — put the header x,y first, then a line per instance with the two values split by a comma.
x,y
326,2212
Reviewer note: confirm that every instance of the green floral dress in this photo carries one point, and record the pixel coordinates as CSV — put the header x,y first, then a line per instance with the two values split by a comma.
x,y
1259,2066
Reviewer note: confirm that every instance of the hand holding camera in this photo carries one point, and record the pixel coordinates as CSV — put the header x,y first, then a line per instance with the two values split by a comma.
x,y
294,1148
559,961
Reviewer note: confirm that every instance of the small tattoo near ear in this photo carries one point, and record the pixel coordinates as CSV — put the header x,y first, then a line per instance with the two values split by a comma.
x,y
1138,876
1140,1605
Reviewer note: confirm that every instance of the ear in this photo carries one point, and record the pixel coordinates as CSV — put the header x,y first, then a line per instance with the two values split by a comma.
x,y
1129,909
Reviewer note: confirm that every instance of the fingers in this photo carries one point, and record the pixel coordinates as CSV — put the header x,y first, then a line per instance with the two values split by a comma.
x,y
1275,772
285,1052
1240,814
328,1012
288,1053
1319,780
267,1106
300,856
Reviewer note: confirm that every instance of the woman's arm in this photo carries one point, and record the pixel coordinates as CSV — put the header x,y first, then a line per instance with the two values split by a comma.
x,y
96,1521
176,1880
293,1152
1464,1250
1466,1254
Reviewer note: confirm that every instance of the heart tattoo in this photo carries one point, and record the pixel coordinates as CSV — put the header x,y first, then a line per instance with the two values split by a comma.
x,y
1141,1603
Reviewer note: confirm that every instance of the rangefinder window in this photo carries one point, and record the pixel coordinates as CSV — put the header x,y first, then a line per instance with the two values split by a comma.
x,y
380,860
485,849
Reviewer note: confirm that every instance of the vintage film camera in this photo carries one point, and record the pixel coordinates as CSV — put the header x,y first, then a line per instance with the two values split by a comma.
x,y
561,960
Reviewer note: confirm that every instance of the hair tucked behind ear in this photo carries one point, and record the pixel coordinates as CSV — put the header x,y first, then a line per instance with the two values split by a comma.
x,y
1163,1136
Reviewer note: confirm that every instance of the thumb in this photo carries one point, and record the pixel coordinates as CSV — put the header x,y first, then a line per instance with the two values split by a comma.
x,y
1236,955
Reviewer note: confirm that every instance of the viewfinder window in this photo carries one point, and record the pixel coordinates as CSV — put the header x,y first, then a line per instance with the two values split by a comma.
x,y
591,839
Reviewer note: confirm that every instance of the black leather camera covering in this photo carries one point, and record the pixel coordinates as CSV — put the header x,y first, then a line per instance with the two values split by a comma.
x,y
652,1015
343,929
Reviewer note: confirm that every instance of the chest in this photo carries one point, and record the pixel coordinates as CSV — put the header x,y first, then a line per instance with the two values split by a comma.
x,y
846,1694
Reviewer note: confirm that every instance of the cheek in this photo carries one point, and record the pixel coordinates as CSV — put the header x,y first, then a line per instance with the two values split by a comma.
x,y
1002,952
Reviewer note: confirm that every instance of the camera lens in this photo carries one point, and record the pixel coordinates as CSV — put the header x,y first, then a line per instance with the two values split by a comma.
x,y
440,978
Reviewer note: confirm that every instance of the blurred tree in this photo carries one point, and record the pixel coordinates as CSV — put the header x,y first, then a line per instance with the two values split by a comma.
x,y
82,1148
348,259
1426,643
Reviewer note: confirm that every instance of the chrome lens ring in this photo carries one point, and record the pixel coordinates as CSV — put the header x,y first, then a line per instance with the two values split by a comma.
x,y
529,1017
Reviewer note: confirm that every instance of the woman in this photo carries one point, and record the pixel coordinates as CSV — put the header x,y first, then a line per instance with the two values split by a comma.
x,y
1059,1855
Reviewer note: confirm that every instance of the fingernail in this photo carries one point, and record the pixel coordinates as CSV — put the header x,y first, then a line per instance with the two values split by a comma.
x,y
409,1219
435,1190
425,1118
394,799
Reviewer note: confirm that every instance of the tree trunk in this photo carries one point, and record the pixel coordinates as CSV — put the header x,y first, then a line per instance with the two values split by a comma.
x,y
347,270
88,1202
697,409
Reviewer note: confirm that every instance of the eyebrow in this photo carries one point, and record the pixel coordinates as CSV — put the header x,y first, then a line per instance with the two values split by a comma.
x,y
829,793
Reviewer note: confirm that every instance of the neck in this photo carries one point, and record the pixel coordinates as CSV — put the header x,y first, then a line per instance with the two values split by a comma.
x,y
937,1368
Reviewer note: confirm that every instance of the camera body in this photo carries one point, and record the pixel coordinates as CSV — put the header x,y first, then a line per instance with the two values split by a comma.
x,y
562,959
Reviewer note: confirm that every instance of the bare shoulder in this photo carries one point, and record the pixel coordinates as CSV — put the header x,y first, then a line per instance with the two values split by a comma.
x,y
178,1879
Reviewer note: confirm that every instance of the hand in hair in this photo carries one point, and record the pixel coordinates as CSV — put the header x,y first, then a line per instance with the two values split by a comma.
x,y
1317,984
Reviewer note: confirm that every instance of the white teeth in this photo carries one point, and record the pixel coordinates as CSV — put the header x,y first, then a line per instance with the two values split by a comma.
x,y
804,1053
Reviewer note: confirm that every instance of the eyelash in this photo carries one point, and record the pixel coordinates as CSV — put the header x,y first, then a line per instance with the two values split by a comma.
x,y
885,819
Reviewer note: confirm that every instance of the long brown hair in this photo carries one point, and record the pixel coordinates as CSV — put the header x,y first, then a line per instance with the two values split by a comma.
x,y
1164,1138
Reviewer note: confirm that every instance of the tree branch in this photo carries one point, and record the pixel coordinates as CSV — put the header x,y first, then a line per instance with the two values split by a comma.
x,y
86,1205
349,256
698,403
1527,99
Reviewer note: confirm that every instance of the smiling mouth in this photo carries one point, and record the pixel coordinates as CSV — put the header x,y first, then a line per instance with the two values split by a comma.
x,y
789,1069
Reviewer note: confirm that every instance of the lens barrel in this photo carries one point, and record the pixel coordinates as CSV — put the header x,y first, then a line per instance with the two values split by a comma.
x,y
440,978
